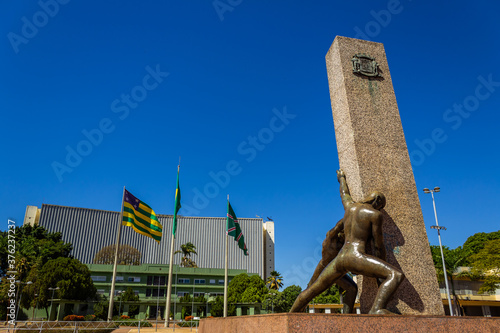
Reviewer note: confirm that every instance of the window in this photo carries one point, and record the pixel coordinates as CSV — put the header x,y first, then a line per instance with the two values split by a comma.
x,y
221,281
134,279
183,281
98,278
182,294
199,294
119,279
148,292
100,291
199,281
212,281
155,292
155,280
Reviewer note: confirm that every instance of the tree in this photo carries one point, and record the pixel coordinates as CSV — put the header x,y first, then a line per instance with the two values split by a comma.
x,y
290,294
186,310
130,296
274,301
476,243
127,255
487,262
186,250
70,275
102,306
275,281
245,289
329,296
452,259
217,308
35,246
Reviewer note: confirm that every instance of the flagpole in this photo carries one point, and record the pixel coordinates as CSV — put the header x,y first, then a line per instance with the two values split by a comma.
x,y
225,265
171,266
169,288
113,281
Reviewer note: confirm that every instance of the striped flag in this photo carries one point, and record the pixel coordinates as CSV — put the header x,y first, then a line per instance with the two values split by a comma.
x,y
177,204
233,228
140,217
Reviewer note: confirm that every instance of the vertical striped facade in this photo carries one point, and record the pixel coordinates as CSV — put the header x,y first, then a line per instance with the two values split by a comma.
x,y
89,230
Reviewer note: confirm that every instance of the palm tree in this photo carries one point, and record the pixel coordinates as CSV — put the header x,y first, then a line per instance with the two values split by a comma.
x,y
186,250
275,281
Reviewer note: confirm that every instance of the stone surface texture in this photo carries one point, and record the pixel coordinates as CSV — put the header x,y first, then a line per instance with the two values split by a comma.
x,y
373,154
320,322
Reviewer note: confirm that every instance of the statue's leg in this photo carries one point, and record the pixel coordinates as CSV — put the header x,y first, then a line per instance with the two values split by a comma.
x,y
328,277
375,267
351,291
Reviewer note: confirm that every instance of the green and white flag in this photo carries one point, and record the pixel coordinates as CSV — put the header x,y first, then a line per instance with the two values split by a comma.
x,y
233,228
177,203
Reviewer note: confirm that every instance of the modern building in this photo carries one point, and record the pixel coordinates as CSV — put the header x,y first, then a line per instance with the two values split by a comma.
x,y
468,301
149,282
90,230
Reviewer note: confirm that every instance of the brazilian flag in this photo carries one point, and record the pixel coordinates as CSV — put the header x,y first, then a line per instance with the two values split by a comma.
x,y
177,204
140,217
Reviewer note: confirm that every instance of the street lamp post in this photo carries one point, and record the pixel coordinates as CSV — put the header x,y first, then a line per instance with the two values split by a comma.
x,y
438,228
272,302
120,293
20,295
52,299
36,305
206,304
192,303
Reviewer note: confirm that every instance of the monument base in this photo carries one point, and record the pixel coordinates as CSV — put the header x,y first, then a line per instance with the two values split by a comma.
x,y
320,322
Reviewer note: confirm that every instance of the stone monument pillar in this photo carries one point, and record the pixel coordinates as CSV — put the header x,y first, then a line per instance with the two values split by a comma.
x,y
373,154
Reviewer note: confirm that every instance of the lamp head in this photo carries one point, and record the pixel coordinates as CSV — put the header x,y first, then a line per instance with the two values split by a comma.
x,y
437,189
426,190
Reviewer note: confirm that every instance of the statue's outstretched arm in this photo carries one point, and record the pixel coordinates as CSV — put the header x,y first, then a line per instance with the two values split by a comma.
x,y
344,190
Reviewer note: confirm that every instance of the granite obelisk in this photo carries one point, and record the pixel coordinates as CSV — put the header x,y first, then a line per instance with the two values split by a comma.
x,y
373,154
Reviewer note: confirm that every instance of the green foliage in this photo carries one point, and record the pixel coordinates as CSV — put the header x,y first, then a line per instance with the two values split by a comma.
x,y
102,306
476,243
246,289
70,275
274,301
130,296
35,246
329,296
290,294
200,299
480,252
186,311
487,261
186,299
452,258
275,281
217,308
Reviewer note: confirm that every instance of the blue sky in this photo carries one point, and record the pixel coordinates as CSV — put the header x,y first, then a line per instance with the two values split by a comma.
x,y
240,92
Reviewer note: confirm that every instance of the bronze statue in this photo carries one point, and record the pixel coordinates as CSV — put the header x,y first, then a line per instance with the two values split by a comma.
x,y
362,222
331,246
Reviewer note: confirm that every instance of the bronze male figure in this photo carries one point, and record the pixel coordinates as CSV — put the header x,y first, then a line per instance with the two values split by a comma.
x,y
362,223
332,244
